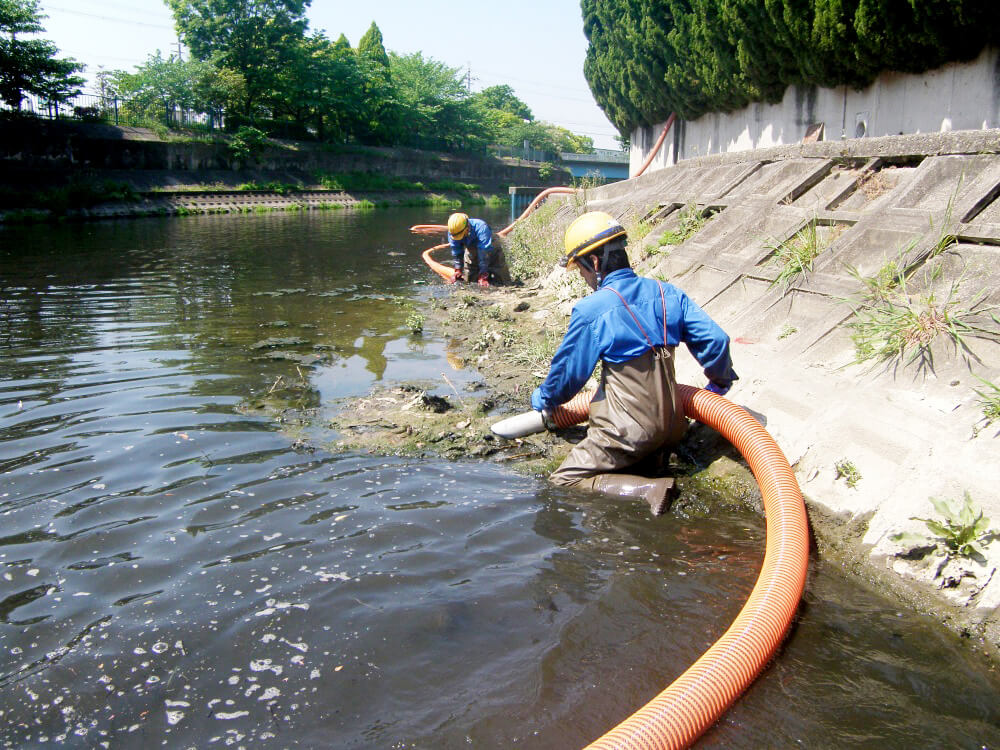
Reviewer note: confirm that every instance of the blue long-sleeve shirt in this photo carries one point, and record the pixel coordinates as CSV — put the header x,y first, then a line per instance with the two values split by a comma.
x,y
480,237
602,328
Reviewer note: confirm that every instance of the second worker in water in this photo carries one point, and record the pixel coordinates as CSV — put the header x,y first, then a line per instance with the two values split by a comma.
x,y
632,325
473,246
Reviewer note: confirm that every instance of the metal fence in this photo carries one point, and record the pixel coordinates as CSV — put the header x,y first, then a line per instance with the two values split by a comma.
x,y
527,153
114,110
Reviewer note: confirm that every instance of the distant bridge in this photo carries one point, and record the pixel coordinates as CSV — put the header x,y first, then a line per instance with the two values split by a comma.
x,y
604,163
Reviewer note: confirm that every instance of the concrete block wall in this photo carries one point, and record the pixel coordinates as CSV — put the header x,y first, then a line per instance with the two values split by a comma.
x,y
913,430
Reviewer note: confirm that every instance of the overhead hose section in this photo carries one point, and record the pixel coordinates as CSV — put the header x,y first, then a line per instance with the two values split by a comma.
x,y
694,701
448,274
657,145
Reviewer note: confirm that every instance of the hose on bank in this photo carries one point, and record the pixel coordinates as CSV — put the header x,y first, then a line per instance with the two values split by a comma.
x,y
694,701
448,274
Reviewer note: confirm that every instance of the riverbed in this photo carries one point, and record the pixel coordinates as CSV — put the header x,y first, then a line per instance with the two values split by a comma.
x,y
182,569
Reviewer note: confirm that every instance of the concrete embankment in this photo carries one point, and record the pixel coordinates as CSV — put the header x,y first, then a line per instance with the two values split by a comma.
x,y
866,366
204,174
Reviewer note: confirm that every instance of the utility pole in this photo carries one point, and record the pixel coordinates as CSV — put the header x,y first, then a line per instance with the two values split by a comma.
x,y
468,77
179,49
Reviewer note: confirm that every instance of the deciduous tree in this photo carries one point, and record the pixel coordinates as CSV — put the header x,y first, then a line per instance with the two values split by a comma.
x,y
257,38
30,66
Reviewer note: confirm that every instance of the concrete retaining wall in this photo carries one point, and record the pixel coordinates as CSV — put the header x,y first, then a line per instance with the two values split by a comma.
x,y
912,430
957,96
40,151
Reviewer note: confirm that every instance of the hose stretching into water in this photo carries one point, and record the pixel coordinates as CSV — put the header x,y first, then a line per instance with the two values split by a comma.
x,y
448,273
691,704
697,698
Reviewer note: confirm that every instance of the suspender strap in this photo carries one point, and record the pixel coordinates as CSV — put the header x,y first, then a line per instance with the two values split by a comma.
x,y
663,301
641,329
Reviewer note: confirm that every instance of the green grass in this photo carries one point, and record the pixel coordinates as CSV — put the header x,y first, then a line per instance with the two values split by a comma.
x,y
787,331
535,245
282,188
690,221
636,227
415,322
989,399
795,256
848,471
880,286
897,326
372,182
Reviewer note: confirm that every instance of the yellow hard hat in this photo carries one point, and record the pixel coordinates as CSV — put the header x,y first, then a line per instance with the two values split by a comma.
x,y
587,233
458,225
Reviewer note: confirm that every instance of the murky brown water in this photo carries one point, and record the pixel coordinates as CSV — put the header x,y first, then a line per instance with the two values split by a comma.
x,y
174,572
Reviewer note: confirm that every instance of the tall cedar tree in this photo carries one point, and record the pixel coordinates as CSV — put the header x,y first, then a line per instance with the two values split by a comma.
x,y
382,113
648,58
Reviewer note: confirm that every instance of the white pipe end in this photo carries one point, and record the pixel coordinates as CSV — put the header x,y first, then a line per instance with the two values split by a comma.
x,y
528,423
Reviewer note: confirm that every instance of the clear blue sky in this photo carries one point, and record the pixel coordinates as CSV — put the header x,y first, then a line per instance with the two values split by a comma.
x,y
537,47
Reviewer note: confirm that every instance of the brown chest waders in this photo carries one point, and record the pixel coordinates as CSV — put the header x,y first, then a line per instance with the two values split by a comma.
x,y
635,412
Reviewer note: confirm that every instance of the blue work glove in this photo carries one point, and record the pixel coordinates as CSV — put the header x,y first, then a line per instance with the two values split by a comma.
x,y
536,400
717,389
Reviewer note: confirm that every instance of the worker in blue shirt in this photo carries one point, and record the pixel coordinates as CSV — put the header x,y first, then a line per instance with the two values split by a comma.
x,y
473,247
631,325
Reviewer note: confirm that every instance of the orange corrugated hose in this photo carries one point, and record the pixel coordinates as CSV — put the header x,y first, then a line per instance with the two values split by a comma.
x,y
694,701
448,274
657,145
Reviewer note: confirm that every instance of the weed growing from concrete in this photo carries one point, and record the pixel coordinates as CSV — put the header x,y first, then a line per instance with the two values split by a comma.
x,y
898,326
690,222
878,288
636,226
989,399
795,256
848,471
787,331
961,530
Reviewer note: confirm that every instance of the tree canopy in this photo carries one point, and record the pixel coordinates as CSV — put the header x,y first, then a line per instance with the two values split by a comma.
x,y
648,58
258,62
30,66
259,39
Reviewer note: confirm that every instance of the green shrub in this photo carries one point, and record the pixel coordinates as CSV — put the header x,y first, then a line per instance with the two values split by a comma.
x,y
247,144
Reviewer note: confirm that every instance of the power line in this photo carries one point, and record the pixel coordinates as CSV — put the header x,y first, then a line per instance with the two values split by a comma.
x,y
109,18
533,84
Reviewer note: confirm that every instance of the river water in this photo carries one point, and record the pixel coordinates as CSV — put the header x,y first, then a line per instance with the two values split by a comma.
x,y
178,571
